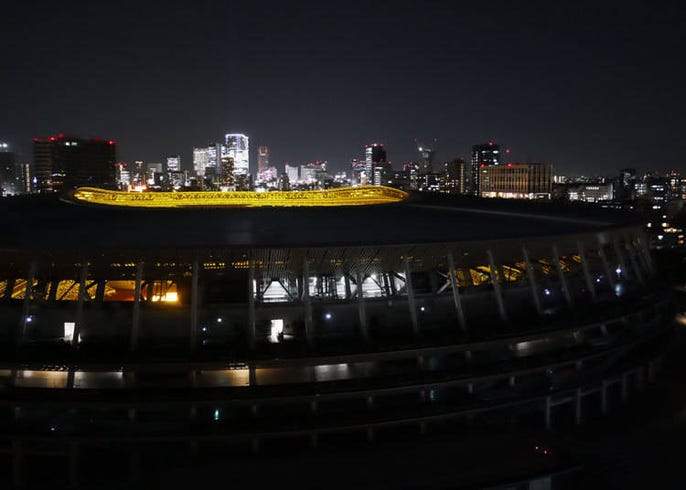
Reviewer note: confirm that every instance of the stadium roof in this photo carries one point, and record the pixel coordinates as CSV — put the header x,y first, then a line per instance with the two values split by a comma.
x,y
46,222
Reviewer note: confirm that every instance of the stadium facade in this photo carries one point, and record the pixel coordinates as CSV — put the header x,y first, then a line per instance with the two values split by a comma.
x,y
128,331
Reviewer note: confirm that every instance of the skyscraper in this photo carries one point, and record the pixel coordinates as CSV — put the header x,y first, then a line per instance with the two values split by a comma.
x,y
426,153
455,176
8,174
293,172
62,162
237,147
482,156
374,163
174,163
262,157
626,188
200,160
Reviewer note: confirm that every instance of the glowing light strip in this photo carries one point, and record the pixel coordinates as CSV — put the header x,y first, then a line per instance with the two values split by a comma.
x,y
345,196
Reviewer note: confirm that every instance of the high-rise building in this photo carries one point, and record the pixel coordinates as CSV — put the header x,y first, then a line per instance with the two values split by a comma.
x,y
626,185
313,172
293,172
122,176
227,175
174,163
238,148
200,160
8,170
214,153
454,172
482,156
357,168
426,154
374,163
262,157
63,162
516,181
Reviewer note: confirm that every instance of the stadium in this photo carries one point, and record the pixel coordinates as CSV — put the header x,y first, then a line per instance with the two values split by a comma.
x,y
182,330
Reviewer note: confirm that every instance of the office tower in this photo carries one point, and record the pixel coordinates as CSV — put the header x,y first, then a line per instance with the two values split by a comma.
x,y
227,175
482,156
200,160
626,186
214,154
374,163
63,162
237,147
357,168
293,172
8,174
262,157
174,163
313,172
516,181
24,176
455,176
122,175
426,154
137,174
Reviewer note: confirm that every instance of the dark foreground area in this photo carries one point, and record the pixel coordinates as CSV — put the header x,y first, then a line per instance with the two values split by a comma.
x,y
637,445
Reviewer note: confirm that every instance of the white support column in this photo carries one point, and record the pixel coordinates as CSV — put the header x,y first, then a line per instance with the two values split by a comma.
x,y
79,306
495,279
360,305
346,282
410,297
620,258
587,272
26,308
533,283
135,323
561,274
456,293
548,413
307,303
193,334
635,266
645,252
606,267
251,303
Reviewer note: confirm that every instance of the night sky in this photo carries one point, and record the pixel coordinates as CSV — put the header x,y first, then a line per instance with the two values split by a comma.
x,y
588,86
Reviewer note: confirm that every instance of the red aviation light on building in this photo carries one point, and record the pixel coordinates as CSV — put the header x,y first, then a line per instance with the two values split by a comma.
x,y
490,143
60,136
482,165
36,140
110,142
508,151
52,138
509,165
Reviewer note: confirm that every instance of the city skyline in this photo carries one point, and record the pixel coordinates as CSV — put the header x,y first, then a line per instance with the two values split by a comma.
x,y
572,85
